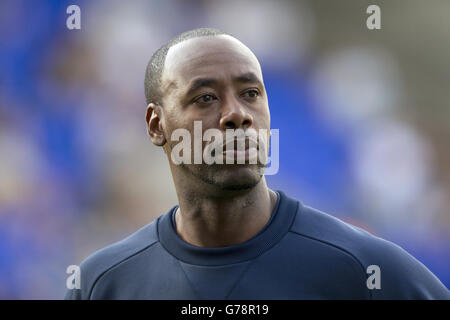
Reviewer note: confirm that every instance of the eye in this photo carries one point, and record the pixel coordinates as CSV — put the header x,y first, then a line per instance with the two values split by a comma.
x,y
206,98
252,93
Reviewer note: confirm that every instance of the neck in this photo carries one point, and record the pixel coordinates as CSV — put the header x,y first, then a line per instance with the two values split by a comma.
x,y
224,220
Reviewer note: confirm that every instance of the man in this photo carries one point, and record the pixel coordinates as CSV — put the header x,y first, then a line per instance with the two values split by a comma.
x,y
231,237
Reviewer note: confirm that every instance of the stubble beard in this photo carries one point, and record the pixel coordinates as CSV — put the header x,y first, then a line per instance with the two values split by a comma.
x,y
217,176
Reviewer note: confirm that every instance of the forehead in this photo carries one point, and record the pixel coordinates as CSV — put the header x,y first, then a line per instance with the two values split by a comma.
x,y
219,57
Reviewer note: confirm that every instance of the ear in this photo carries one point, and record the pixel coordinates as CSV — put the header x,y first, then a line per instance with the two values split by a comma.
x,y
153,118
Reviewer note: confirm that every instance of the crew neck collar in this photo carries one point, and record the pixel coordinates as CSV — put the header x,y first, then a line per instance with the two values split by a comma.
x,y
277,226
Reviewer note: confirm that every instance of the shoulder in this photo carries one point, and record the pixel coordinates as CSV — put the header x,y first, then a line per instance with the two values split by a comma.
x,y
401,276
98,263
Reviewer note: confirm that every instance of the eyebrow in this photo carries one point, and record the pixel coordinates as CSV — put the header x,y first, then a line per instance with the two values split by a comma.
x,y
248,77
198,83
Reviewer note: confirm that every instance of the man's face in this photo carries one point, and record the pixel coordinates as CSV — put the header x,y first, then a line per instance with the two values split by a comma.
x,y
218,81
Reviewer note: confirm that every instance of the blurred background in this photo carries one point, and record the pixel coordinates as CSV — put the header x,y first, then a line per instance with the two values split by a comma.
x,y
363,117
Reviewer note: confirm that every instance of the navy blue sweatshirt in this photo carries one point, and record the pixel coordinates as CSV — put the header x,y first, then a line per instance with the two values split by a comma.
x,y
301,253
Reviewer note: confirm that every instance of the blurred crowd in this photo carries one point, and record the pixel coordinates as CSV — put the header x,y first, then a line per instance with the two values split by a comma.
x,y
363,117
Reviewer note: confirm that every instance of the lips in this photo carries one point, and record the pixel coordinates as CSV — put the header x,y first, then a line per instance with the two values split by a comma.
x,y
248,149
236,144
234,152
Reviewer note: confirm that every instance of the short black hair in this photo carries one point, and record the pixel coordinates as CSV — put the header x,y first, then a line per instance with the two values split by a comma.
x,y
155,67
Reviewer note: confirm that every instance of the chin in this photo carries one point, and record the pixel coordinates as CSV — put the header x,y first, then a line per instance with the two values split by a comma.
x,y
238,178
227,178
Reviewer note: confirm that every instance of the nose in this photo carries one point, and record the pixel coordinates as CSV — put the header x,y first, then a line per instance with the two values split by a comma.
x,y
235,116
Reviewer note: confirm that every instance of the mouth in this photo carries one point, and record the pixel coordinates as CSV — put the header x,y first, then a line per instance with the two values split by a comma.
x,y
240,150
